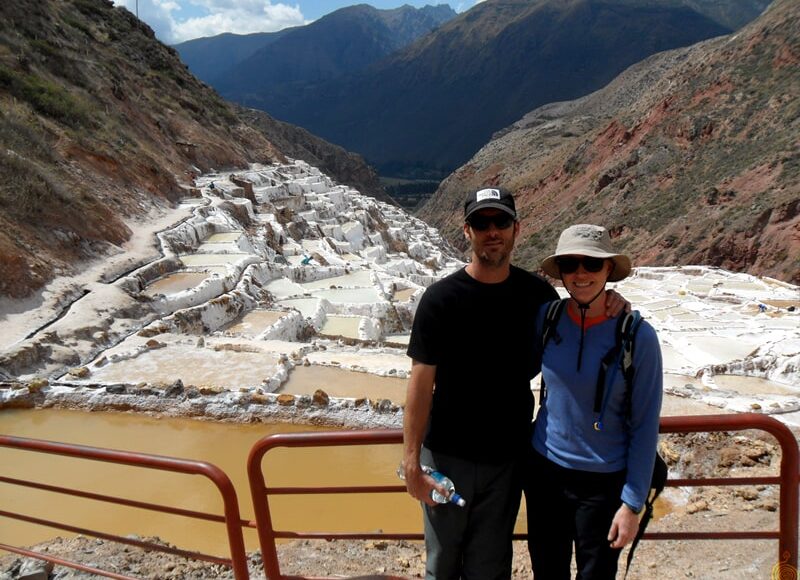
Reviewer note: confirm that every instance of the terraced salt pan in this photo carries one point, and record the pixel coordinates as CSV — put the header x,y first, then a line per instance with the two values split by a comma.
x,y
403,294
308,307
381,361
350,295
175,283
346,326
698,350
283,288
226,242
254,322
198,366
357,279
753,385
192,201
783,303
223,238
202,260
336,382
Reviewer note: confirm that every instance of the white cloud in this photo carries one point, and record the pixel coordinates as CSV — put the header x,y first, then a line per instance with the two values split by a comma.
x,y
463,6
176,21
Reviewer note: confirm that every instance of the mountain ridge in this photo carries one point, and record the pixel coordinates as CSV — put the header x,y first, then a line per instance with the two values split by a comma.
x,y
687,157
489,66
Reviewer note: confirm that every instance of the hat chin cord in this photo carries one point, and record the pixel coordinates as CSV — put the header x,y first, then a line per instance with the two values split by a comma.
x,y
582,308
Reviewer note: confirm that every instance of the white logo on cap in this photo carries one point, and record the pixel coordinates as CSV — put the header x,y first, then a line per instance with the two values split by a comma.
x,y
487,194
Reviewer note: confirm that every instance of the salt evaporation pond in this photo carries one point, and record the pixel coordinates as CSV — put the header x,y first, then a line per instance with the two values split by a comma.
x,y
254,322
753,385
175,283
223,242
336,382
357,279
283,288
223,444
220,365
223,238
403,294
346,326
350,295
202,260
307,307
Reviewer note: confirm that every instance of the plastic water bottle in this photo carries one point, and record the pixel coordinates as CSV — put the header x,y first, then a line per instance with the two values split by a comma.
x,y
440,479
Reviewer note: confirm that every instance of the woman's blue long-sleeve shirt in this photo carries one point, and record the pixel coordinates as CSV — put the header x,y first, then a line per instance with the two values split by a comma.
x,y
564,430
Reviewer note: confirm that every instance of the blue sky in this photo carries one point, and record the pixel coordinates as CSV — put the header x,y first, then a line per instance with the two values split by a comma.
x,y
179,20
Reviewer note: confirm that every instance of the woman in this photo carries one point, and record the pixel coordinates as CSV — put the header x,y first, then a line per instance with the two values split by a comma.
x,y
594,440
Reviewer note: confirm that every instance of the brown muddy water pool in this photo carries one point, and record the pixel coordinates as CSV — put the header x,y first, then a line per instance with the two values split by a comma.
x,y
338,382
224,444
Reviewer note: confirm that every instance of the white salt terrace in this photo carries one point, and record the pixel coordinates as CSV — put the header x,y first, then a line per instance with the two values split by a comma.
x,y
212,364
175,283
267,323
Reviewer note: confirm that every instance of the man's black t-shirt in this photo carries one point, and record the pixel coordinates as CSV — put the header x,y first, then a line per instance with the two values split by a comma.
x,y
482,339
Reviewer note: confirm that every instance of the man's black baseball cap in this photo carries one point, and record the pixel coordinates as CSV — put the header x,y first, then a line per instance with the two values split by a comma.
x,y
490,197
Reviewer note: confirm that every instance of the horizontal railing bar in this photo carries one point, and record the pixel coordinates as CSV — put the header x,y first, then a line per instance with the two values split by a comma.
x,y
122,501
714,481
119,539
346,536
689,482
335,489
67,563
160,462
755,535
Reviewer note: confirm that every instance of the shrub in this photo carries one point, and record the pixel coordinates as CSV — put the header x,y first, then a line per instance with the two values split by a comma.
x,y
45,97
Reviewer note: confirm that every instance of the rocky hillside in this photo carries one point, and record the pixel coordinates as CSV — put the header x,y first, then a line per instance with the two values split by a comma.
x,y
100,123
689,157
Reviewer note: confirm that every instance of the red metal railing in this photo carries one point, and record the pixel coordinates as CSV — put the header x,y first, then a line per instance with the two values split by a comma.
x,y
231,518
789,479
260,492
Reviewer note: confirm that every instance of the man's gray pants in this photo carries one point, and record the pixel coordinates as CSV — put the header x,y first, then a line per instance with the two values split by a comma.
x,y
472,542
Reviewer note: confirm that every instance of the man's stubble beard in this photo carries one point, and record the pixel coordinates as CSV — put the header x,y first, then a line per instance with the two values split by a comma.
x,y
495,260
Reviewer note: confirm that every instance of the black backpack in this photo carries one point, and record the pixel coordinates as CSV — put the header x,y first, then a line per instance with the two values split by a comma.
x,y
620,355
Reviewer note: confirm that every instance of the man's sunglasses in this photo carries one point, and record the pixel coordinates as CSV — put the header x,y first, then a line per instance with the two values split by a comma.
x,y
569,264
481,223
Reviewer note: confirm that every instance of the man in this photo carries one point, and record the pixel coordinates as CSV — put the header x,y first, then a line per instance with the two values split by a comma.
x,y
474,339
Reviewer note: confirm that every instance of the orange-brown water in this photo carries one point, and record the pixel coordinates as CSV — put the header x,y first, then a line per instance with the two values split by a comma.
x,y
343,383
223,444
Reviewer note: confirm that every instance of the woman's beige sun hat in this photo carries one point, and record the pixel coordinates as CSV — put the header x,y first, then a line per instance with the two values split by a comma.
x,y
587,240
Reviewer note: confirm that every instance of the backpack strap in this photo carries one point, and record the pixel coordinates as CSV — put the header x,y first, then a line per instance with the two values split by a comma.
x,y
554,310
627,333
620,356
660,472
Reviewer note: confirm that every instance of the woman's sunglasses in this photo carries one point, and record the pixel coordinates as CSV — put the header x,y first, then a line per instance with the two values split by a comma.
x,y
481,223
569,264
